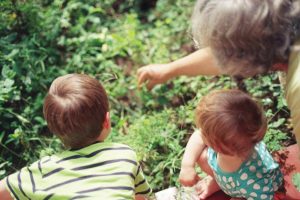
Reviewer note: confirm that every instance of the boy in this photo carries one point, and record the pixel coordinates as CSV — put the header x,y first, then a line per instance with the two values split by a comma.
x,y
77,111
228,147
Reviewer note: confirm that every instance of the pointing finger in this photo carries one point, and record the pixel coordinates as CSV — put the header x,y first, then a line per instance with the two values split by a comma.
x,y
143,77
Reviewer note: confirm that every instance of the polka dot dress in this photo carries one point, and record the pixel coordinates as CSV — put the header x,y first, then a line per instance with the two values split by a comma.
x,y
257,178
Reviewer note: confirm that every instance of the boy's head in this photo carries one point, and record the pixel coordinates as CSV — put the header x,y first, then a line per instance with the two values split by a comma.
x,y
247,37
76,110
231,122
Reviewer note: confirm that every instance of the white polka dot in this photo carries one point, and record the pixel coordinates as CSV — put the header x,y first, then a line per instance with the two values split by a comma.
x,y
243,191
244,176
259,163
230,179
266,188
232,184
250,182
248,163
224,179
252,168
256,186
253,194
266,181
250,198
263,196
258,175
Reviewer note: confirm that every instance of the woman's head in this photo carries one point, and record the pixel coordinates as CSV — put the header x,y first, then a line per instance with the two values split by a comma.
x,y
246,36
231,122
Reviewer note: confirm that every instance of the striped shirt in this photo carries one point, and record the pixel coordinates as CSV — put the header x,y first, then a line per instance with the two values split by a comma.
x,y
100,171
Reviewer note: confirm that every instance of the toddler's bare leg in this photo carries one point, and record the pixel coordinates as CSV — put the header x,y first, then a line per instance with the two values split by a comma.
x,y
207,186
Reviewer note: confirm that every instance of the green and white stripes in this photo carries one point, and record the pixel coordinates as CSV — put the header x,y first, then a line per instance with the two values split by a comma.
x,y
99,171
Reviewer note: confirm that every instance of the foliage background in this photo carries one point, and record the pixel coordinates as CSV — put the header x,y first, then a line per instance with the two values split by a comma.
x,y
109,40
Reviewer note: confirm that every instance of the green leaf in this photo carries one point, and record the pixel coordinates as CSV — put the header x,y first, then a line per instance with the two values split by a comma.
x,y
12,53
296,181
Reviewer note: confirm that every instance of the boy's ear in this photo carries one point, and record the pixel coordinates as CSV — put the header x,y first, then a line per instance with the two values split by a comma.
x,y
106,123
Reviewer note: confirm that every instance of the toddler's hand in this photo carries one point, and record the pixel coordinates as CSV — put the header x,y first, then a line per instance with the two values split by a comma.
x,y
152,74
188,176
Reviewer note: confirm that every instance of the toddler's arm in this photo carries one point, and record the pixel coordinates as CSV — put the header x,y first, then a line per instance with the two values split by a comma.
x,y
4,194
200,62
194,147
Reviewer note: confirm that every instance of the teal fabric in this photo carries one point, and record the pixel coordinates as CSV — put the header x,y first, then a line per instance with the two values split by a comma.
x,y
257,178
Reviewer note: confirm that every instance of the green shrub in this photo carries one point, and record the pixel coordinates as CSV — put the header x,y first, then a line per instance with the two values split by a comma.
x,y
158,141
109,39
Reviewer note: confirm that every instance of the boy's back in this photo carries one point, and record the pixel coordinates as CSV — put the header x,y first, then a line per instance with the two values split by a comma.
x,y
99,171
76,109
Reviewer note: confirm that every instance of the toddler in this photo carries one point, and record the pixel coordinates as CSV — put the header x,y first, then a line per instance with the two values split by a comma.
x,y
228,147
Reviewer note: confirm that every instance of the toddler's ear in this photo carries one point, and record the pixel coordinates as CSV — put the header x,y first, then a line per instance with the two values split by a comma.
x,y
106,123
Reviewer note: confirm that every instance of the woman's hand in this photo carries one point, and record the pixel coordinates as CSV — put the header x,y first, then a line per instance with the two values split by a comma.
x,y
201,62
153,74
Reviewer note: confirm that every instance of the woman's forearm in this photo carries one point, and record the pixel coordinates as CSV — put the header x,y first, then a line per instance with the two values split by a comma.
x,y
201,62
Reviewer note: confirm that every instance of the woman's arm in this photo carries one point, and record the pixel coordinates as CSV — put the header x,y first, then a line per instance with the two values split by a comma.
x,y
200,62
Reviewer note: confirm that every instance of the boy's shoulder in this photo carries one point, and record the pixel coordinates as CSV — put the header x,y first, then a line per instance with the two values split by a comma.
x,y
95,149
107,146
115,144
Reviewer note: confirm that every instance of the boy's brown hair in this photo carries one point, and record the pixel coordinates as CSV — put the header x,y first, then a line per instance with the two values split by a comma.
x,y
231,122
75,109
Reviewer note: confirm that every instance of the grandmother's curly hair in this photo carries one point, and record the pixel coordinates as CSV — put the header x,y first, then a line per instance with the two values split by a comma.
x,y
247,36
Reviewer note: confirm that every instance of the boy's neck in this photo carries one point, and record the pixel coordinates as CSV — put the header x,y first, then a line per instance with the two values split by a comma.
x,y
228,163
